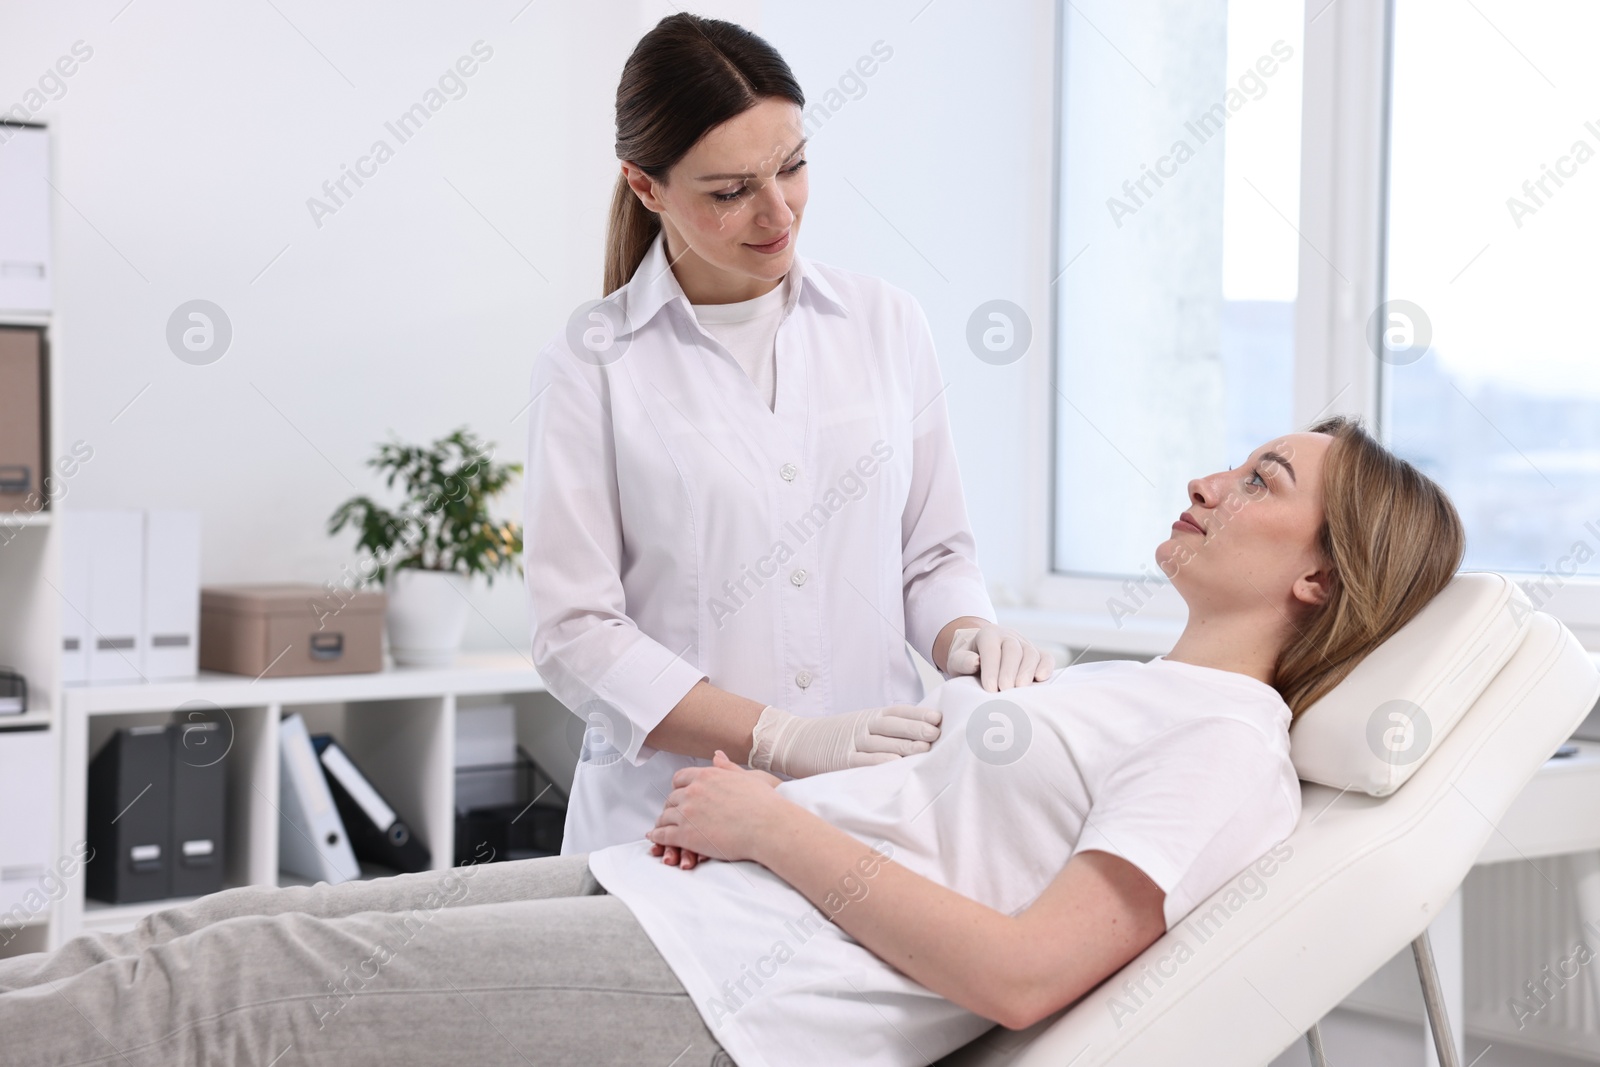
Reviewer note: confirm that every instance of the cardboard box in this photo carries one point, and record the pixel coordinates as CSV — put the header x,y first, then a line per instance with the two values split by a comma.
x,y
21,419
288,629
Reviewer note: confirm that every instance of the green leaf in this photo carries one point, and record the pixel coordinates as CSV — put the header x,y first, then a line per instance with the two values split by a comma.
x,y
443,521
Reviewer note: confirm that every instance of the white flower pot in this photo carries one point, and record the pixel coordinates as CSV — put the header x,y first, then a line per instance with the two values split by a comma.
x,y
427,616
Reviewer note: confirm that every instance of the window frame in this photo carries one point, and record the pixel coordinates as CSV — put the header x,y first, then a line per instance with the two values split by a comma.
x,y
1344,164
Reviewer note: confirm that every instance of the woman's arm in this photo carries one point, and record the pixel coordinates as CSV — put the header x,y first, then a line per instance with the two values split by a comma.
x,y
1095,916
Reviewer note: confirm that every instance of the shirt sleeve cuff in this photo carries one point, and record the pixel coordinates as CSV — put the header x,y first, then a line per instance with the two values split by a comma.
x,y
931,608
645,686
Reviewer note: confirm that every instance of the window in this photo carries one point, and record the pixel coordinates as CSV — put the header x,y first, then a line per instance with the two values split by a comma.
x,y
1176,261
1491,381
1430,269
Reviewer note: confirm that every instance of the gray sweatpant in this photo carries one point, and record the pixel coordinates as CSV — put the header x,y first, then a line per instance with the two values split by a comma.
x,y
517,963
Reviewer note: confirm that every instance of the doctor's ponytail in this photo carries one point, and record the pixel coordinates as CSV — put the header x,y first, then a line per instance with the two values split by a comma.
x,y
685,76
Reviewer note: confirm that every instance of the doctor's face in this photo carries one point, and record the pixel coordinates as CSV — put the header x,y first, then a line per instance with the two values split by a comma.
x,y
1250,538
735,199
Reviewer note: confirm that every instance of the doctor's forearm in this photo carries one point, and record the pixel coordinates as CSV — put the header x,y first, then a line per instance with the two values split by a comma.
x,y
706,719
941,644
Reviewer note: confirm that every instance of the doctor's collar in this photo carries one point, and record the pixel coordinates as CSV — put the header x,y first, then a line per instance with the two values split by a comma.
x,y
653,286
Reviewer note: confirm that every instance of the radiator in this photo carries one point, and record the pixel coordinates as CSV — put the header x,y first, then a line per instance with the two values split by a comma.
x,y
1533,969
1528,981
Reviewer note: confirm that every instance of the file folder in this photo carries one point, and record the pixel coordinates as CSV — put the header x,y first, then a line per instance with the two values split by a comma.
x,y
129,815
377,832
75,631
199,807
311,835
171,599
116,588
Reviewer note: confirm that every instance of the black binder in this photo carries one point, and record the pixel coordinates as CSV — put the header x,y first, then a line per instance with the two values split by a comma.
x,y
199,800
376,831
129,815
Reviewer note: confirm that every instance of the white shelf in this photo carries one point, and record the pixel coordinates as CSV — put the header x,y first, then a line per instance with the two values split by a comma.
x,y
33,518
23,317
473,673
28,720
397,724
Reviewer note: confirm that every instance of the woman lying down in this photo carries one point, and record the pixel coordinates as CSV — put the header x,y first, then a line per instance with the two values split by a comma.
x,y
880,915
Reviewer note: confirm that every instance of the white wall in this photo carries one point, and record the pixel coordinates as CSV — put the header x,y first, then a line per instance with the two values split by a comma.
x,y
186,147
938,178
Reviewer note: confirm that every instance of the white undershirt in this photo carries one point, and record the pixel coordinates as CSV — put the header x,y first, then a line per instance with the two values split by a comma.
x,y
1181,770
749,329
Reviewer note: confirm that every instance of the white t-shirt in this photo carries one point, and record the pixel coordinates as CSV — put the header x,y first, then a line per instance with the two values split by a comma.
x,y
749,330
1183,771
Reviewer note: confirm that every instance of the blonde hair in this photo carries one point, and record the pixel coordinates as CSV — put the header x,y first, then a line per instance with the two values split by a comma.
x,y
1392,541
685,76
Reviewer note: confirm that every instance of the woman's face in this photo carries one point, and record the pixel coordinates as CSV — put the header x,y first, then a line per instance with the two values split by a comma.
x,y
743,185
1249,537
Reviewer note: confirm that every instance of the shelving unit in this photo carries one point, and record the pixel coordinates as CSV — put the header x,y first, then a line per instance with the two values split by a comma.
x,y
398,725
30,607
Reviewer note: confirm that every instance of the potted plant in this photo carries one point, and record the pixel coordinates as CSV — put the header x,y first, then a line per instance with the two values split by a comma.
x,y
426,551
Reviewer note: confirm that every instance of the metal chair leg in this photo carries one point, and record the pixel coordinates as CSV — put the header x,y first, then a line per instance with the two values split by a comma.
x,y
1319,1058
1433,998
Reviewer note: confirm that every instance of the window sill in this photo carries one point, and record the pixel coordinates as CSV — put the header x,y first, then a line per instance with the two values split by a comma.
x,y
1082,632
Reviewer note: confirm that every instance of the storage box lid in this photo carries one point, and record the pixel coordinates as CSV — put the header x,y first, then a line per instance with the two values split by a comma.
x,y
287,598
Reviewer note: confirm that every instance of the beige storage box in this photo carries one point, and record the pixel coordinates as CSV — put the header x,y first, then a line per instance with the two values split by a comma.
x,y
21,419
286,629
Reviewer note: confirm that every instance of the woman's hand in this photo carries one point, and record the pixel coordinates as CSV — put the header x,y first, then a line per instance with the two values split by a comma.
x,y
673,856
720,812
1000,657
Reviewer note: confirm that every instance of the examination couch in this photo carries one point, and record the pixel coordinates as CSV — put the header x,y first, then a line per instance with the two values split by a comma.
x,y
1406,769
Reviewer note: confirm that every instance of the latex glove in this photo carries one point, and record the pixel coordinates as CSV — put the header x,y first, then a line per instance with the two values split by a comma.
x,y
999,656
796,746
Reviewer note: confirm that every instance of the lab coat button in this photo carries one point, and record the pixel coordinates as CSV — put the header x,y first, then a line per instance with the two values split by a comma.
x,y
798,577
788,471
803,679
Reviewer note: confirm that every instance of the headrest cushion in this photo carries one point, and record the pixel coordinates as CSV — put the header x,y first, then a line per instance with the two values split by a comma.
x,y
1373,731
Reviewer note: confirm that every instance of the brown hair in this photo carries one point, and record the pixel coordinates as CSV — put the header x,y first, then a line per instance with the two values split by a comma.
x,y
685,76
1392,539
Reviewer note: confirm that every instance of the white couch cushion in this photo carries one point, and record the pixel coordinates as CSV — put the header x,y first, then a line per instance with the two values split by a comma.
x,y
1375,729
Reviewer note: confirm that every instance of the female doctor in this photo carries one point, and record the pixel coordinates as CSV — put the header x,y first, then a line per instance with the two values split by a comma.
x,y
742,498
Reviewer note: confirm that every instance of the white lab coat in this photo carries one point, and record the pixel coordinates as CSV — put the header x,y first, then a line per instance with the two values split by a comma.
x,y
677,529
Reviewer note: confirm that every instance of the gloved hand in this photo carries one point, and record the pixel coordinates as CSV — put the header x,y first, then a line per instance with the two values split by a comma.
x,y
1001,657
798,746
